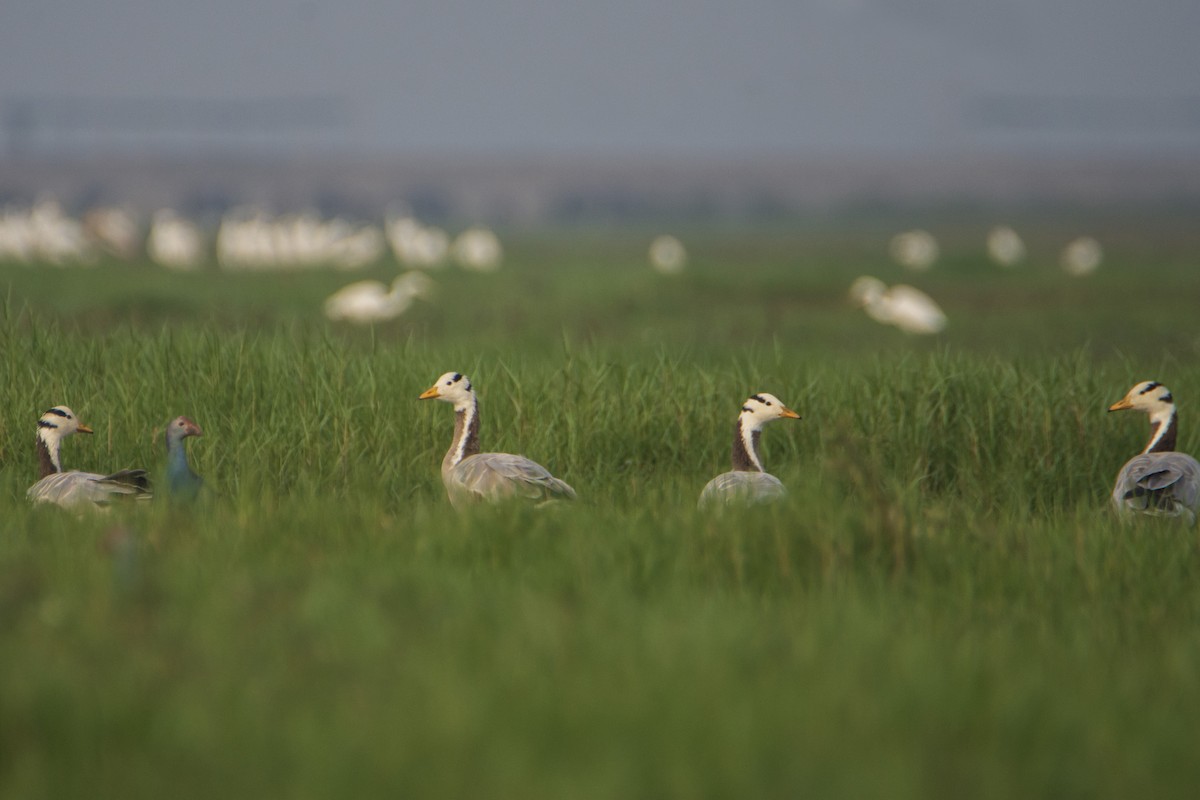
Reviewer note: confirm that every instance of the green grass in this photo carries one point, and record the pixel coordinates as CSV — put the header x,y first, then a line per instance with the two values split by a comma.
x,y
943,606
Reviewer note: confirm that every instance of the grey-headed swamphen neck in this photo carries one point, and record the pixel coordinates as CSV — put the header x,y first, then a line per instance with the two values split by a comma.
x,y
182,483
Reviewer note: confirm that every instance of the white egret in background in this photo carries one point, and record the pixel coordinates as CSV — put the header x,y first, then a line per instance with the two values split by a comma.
x,y
372,301
1005,247
1081,256
174,242
915,250
903,306
16,236
477,249
114,229
355,249
57,238
416,245
254,240
667,255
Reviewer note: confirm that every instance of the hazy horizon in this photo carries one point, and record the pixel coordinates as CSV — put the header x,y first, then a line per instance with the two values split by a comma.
x,y
832,78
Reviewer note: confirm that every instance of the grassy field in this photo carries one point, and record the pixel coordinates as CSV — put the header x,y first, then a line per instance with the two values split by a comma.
x,y
943,607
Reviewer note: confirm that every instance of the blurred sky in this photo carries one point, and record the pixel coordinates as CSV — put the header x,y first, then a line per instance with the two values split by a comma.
x,y
689,77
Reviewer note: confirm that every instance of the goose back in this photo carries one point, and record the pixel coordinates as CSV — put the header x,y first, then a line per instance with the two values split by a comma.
x,y
77,489
1164,484
499,476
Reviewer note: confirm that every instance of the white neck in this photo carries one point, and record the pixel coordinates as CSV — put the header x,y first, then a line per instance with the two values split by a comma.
x,y
1162,419
470,411
745,450
51,438
466,433
748,432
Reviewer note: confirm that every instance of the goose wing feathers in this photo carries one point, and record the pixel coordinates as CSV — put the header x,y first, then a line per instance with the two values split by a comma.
x,y
69,489
493,476
742,487
1159,483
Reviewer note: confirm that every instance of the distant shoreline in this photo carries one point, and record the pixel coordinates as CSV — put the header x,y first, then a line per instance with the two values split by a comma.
x,y
554,189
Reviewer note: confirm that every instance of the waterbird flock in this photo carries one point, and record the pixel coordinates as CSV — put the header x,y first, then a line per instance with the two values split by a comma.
x,y
1158,482
244,239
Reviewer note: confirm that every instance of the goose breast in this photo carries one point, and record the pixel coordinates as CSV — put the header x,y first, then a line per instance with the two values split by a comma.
x,y
742,487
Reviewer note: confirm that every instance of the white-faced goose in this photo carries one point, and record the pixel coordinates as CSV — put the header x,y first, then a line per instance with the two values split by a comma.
x,y
1159,481
749,482
470,475
75,489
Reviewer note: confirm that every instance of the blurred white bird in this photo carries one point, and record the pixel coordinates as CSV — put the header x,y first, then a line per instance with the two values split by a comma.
x,y
1081,256
914,250
372,301
174,242
477,249
416,245
667,255
1005,247
113,229
903,306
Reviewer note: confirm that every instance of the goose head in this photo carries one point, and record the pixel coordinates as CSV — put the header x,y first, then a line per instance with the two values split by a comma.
x,y
1150,397
58,422
53,426
181,428
761,408
453,387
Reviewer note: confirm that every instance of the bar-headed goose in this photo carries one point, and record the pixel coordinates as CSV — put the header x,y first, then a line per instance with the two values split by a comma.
x,y
75,489
183,485
470,475
749,482
1159,481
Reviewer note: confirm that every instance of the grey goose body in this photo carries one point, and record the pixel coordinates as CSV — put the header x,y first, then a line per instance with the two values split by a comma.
x,y
748,483
75,489
470,475
1159,481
